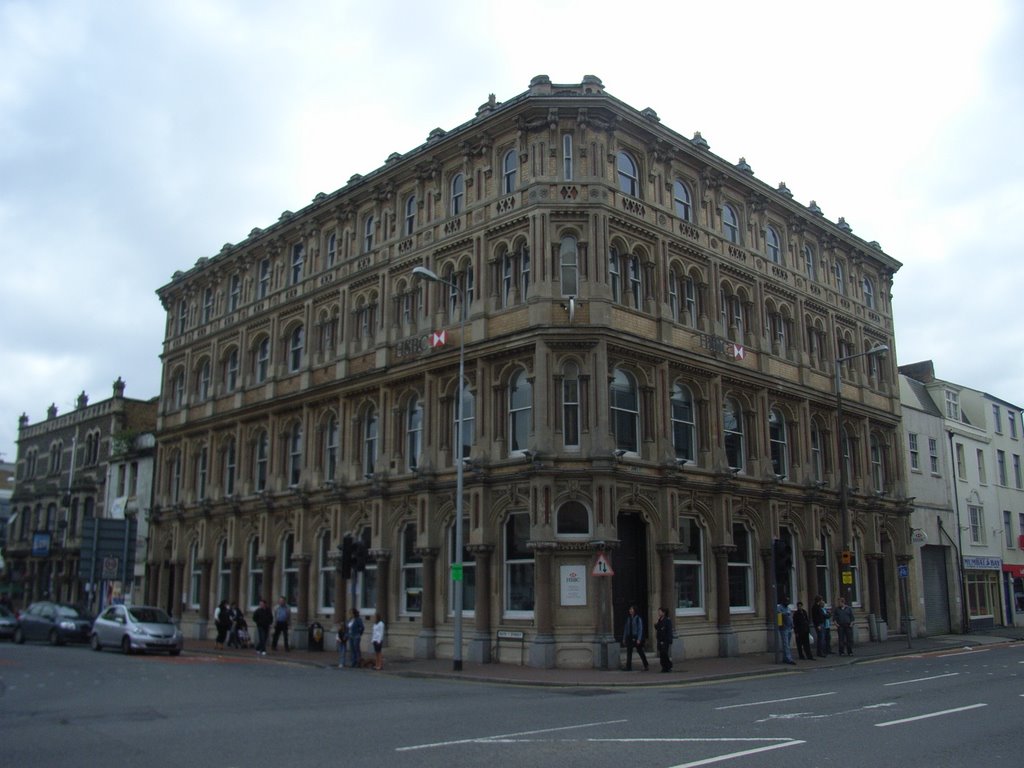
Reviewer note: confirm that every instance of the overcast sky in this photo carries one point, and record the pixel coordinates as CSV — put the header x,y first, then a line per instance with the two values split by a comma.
x,y
138,137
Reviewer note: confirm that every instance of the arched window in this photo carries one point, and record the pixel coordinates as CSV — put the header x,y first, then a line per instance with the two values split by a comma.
x,y
331,436
573,520
837,269
202,467
625,411
195,576
741,571
673,294
732,426
296,342
689,567
262,360
628,176
520,409
326,569
298,259
230,467
179,389
571,406
508,172
413,433
295,454
412,573
458,191
370,443
289,571
614,274
518,557
636,284
730,224
203,381
468,421
682,200
772,245
689,302
234,292
368,234
264,277
207,305
332,249
817,453
231,370
877,465
777,440
410,215
223,572
869,293
568,260
262,456
810,263
468,571
255,580
684,427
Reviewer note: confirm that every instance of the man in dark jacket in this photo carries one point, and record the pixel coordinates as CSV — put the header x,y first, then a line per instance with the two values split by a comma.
x,y
843,617
663,634
262,618
802,628
633,638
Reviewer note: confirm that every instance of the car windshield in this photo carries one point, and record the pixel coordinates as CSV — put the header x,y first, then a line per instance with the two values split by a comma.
x,y
69,611
150,616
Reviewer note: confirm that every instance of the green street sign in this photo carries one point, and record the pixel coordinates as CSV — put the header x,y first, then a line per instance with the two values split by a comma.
x,y
456,571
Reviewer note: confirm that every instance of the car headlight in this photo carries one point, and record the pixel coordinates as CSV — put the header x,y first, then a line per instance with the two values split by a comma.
x,y
136,630
65,624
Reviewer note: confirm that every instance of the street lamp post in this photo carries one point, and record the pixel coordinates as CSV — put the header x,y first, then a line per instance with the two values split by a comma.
x,y
844,498
457,575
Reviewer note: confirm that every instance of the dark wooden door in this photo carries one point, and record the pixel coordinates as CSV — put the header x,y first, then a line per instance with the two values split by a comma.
x,y
629,585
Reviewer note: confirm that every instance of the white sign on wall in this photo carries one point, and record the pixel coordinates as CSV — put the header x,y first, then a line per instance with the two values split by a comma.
x,y
574,584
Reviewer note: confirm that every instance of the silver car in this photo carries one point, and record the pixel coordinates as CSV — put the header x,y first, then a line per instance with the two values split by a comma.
x,y
136,628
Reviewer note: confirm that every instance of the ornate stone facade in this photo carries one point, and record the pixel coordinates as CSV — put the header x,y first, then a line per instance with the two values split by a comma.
x,y
649,338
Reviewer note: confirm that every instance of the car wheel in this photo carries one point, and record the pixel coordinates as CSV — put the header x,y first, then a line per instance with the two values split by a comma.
x,y
19,636
94,641
126,646
54,637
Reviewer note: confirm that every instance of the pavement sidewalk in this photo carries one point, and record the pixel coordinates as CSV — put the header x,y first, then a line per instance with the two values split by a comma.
x,y
684,671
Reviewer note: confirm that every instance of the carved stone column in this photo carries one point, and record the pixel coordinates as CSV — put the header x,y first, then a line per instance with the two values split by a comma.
x,y
811,557
728,643
302,598
873,562
479,649
205,570
425,644
271,579
542,648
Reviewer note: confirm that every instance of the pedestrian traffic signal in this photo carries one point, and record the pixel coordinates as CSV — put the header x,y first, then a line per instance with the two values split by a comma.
x,y
360,554
346,557
782,553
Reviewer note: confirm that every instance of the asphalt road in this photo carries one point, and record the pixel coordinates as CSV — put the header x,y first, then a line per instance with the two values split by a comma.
x,y
60,706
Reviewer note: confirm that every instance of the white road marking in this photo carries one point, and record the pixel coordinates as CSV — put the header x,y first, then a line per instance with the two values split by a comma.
x,y
776,701
967,651
923,679
820,716
930,714
734,755
484,739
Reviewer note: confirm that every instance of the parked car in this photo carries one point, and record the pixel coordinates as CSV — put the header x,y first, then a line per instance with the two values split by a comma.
x,y
136,628
8,621
55,622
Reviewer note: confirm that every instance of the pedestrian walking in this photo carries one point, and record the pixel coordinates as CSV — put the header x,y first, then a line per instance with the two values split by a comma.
x,y
355,636
282,617
263,619
378,641
633,638
802,631
663,634
237,619
785,625
222,620
843,617
341,644
820,619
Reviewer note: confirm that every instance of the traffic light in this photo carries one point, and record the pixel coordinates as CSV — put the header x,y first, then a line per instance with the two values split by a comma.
x,y
782,553
346,548
360,554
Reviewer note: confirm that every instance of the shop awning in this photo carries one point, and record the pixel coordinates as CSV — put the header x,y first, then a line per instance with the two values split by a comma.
x,y
1017,571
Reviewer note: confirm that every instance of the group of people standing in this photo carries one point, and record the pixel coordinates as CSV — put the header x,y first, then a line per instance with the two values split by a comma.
x,y
633,639
822,618
350,637
232,629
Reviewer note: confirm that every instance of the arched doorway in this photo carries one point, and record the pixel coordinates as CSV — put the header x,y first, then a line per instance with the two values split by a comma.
x,y
629,562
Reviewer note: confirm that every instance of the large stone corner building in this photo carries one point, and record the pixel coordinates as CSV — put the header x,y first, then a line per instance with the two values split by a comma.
x,y
650,335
